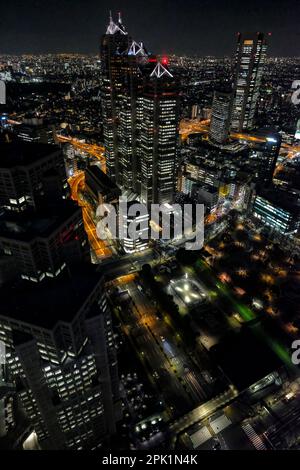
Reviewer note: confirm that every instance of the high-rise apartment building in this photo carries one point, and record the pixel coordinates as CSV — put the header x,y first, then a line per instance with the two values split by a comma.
x,y
249,63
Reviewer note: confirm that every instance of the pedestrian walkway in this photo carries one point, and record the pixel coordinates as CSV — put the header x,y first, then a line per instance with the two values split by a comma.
x,y
254,437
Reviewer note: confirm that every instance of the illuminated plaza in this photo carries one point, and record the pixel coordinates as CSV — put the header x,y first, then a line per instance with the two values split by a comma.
x,y
188,291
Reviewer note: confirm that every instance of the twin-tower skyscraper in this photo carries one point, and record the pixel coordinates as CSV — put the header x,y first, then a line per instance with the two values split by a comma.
x,y
140,117
140,110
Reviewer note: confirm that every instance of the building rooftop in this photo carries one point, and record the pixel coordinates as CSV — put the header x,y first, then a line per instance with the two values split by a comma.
x,y
106,185
206,188
46,303
19,153
281,198
30,225
212,154
100,176
244,358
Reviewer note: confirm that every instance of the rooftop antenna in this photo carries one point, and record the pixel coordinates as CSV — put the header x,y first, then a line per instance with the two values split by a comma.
x,y
110,17
119,17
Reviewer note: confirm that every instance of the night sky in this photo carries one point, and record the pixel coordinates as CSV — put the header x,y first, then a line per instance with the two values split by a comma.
x,y
201,27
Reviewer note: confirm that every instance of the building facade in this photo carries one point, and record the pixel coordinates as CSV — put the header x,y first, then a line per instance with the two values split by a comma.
x,y
113,51
264,155
249,63
140,116
277,212
220,117
159,134
55,321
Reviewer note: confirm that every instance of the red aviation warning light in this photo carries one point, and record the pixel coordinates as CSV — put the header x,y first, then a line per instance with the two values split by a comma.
x,y
165,60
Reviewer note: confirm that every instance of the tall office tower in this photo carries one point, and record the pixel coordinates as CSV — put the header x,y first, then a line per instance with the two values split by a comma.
x,y
55,320
129,118
249,63
122,62
114,46
220,117
135,222
264,155
158,139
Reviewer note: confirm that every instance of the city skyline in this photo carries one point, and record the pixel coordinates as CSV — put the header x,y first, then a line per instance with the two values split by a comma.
x,y
150,232
204,28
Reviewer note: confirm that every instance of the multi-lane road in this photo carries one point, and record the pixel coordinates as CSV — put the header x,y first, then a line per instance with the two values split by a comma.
x,y
168,364
100,248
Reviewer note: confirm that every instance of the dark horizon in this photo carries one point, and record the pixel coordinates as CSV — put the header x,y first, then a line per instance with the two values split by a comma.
x,y
187,27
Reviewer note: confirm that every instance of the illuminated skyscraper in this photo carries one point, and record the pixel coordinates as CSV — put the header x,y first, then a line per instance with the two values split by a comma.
x,y
220,117
249,63
277,210
264,156
129,118
113,51
122,61
140,117
55,320
159,132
